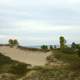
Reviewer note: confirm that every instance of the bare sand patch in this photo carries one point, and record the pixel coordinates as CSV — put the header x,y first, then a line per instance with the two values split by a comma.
x,y
35,58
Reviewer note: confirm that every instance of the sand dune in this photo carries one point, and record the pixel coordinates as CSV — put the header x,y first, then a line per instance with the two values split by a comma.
x,y
27,56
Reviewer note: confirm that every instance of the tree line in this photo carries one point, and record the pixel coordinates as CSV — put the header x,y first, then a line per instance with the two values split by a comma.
x,y
70,49
62,41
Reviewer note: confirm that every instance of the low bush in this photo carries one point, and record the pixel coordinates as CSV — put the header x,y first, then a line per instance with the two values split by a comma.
x,y
68,50
19,69
44,47
7,65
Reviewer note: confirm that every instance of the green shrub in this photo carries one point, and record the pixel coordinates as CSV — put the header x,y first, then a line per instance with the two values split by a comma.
x,y
19,69
44,47
68,50
13,42
4,59
72,59
51,47
7,65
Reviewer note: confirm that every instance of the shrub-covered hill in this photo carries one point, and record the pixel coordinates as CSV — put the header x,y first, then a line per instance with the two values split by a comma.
x,y
9,67
70,71
14,70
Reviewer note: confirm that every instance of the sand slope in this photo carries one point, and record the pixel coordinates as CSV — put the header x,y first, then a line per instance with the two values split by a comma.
x,y
27,56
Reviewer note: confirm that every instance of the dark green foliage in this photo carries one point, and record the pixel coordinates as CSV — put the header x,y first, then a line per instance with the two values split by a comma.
x,y
51,47
7,65
19,69
62,42
68,50
4,59
78,46
55,46
44,47
13,42
72,59
73,45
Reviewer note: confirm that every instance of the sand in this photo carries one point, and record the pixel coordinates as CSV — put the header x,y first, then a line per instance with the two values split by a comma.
x,y
35,58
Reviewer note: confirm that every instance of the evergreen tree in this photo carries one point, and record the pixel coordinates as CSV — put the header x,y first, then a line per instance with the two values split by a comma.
x,y
62,42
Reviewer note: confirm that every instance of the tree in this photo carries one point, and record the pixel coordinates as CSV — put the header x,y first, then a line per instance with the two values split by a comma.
x,y
51,47
62,42
11,43
44,47
55,46
16,42
73,45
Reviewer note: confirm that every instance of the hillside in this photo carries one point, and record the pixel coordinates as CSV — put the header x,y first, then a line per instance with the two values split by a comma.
x,y
51,65
11,69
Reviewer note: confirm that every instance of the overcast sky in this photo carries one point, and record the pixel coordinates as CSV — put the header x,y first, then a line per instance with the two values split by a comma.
x,y
37,22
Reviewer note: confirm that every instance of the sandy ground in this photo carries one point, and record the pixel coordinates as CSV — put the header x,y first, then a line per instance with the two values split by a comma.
x,y
35,58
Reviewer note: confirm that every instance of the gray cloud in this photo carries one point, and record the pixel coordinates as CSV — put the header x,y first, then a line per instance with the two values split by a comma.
x,y
34,20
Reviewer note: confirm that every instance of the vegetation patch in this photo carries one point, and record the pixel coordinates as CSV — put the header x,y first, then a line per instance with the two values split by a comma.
x,y
7,65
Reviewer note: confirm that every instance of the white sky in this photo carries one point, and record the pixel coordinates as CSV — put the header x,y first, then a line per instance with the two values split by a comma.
x,y
36,22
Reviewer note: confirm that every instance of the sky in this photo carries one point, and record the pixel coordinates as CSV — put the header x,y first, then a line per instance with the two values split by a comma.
x,y
37,22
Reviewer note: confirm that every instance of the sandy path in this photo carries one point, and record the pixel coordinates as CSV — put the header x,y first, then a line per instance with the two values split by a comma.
x,y
30,57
